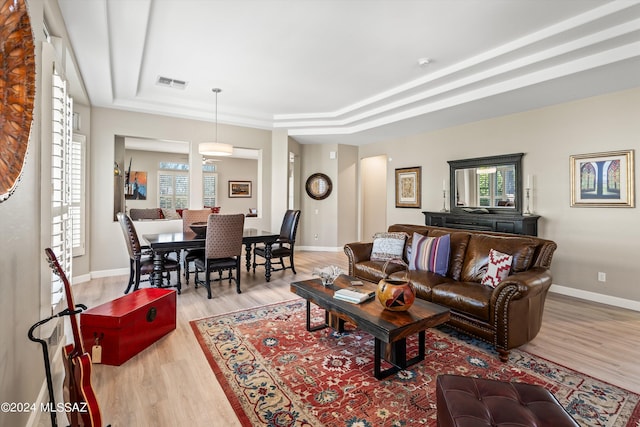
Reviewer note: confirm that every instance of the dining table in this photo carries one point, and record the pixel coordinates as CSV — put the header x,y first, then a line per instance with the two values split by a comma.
x,y
162,243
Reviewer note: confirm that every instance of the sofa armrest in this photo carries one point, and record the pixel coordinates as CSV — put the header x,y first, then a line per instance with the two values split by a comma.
x,y
525,284
357,252
517,305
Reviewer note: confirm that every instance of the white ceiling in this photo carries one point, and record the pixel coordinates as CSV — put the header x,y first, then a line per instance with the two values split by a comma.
x,y
346,71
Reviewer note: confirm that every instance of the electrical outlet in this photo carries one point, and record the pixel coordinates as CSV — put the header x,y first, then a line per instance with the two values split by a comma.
x,y
602,277
315,237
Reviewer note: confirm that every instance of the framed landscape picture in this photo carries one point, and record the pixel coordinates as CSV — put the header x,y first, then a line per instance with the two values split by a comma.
x,y
239,188
603,179
408,188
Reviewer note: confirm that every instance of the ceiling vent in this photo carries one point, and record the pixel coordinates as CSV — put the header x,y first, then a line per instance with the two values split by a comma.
x,y
169,82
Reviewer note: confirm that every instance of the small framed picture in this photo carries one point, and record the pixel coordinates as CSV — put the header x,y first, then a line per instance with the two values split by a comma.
x,y
240,189
602,179
408,188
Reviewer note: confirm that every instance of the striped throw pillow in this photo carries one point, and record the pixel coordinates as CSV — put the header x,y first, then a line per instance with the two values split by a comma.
x,y
430,253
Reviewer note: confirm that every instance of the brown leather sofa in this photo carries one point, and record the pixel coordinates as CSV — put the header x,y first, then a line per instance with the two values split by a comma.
x,y
506,316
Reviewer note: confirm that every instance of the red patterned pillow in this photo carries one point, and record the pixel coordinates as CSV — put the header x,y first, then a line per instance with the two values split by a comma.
x,y
499,268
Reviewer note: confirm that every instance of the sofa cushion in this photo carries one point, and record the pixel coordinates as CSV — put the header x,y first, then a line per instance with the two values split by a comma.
x,y
470,298
372,270
423,281
430,253
498,269
388,246
476,260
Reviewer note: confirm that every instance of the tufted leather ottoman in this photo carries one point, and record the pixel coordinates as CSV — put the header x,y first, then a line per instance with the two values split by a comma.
x,y
472,402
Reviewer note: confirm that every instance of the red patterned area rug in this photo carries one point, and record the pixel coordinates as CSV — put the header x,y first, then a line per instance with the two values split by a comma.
x,y
275,373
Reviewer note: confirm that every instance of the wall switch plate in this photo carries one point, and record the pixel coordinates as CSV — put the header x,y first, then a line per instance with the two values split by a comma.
x,y
602,277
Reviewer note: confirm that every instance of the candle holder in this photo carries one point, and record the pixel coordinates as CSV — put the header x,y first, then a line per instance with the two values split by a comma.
x,y
527,211
444,201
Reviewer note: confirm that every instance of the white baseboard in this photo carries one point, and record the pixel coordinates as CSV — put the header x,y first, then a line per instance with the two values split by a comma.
x,y
81,279
320,248
109,273
596,297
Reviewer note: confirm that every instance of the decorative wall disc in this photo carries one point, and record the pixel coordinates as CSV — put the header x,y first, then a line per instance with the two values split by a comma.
x,y
17,91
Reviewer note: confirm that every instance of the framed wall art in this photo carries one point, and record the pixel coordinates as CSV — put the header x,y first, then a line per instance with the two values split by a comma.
x,y
408,187
136,186
603,179
239,188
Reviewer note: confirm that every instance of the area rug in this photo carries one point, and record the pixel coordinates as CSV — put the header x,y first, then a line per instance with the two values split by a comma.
x,y
275,373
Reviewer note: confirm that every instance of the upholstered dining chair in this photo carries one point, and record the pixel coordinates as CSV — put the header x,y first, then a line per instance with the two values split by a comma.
x,y
283,247
223,249
141,259
189,216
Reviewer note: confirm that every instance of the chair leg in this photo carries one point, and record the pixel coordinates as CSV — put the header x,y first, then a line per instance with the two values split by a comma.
x,y
137,281
131,276
293,267
254,260
178,285
238,291
207,281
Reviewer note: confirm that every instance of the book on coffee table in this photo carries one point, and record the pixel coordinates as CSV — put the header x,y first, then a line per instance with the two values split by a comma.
x,y
355,296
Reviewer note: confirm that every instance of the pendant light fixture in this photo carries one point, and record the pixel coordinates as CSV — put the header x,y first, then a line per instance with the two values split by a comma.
x,y
215,148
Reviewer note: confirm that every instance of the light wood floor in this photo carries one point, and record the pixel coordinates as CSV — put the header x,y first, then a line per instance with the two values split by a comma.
x,y
171,383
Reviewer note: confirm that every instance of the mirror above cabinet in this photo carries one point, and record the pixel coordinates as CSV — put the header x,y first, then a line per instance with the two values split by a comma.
x,y
487,184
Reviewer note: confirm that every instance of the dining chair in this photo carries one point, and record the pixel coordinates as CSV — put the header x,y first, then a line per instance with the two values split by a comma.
x,y
141,258
223,249
189,216
283,247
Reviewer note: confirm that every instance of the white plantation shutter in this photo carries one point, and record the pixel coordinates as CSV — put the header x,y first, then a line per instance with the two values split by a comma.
x,y
61,178
173,189
210,188
77,194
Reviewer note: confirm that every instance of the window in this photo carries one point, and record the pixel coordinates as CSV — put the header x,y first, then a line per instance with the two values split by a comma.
x,y
173,189
78,150
493,187
210,189
61,182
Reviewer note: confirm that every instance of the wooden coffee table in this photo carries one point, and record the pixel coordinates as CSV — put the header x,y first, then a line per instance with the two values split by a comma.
x,y
389,328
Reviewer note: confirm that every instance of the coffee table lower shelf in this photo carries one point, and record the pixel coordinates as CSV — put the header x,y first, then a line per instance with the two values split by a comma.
x,y
394,353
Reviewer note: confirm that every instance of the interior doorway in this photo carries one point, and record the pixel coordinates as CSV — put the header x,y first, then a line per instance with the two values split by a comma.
x,y
373,178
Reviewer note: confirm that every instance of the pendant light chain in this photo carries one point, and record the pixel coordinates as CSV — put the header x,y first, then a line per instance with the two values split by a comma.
x,y
216,91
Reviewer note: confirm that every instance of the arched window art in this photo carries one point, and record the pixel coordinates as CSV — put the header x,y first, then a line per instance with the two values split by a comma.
x,y
587,177
603,179
613,176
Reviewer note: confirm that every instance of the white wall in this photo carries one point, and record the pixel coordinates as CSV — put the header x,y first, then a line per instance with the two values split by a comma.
x,y
589,240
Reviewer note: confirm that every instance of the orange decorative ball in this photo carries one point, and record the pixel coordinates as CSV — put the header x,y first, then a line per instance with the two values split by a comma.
x,y
395,295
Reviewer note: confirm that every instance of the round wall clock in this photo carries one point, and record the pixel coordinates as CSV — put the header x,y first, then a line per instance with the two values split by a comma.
x,y
17,91
318,186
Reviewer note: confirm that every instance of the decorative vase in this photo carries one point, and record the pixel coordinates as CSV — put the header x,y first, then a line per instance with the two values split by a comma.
x,y
395,294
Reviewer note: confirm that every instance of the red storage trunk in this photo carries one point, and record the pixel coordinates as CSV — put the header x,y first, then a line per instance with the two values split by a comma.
x,y
129,324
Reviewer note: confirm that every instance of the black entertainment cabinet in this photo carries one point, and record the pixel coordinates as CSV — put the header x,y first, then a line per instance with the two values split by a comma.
x,y
503,223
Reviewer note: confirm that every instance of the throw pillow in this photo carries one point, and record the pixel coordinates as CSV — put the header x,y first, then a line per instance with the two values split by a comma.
x,y
498,269
430,253
170,214
388,246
